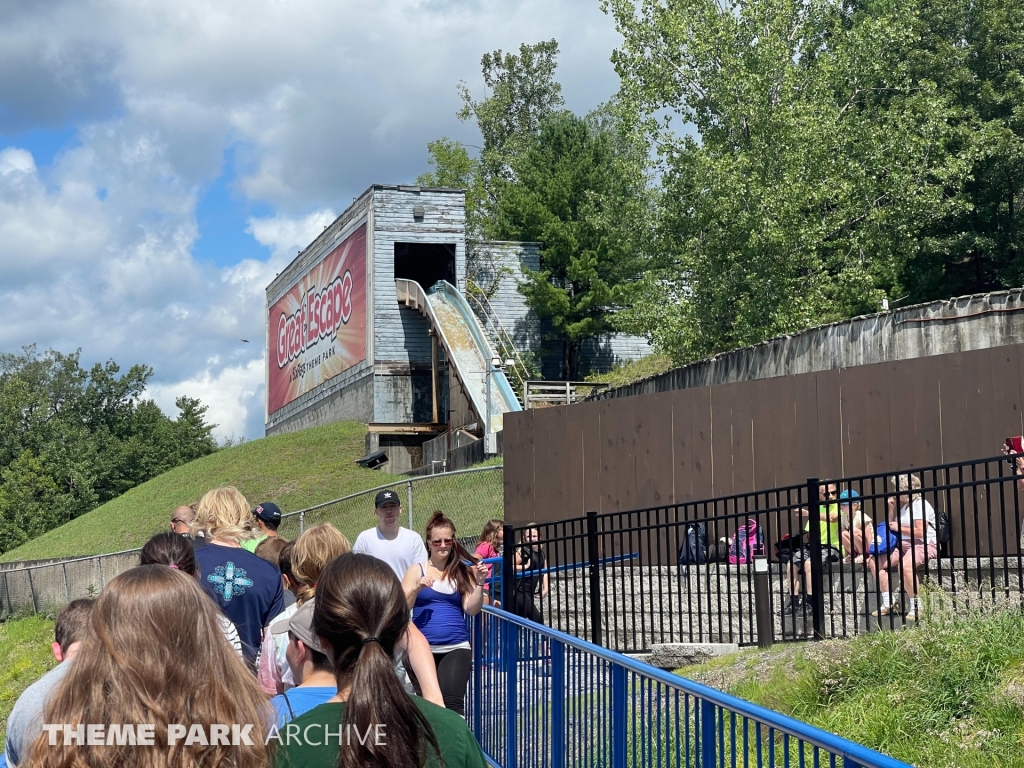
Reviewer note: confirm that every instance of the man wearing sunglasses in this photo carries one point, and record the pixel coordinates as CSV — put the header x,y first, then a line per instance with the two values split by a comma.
x,y
181,523
801,600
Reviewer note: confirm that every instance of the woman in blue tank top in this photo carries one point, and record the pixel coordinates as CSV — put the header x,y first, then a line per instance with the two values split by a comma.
x,y
441,592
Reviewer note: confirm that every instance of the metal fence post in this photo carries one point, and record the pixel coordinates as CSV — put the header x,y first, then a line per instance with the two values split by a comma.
x,y
507,566
511,664
32,591
478,674
64,575
558,727
409,485
7,591
763,603
817,576
594,577
620,721
708,734
302,522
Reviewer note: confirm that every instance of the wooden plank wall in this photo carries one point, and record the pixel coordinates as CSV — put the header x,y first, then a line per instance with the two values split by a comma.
x,y
693,444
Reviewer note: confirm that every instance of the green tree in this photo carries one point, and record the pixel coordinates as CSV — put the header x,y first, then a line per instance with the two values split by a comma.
x,y
563,186
71,439
974,52
521,92
813,155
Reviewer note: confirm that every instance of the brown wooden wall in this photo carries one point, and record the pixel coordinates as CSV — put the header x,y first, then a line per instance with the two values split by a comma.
x,y
692,444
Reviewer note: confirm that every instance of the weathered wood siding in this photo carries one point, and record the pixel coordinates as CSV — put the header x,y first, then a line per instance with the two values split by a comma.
x,y
399,333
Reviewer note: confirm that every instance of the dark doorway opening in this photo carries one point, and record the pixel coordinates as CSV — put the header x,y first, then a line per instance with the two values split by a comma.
x,y
426,263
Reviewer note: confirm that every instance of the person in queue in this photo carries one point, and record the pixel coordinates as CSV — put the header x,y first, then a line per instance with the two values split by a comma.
x,y
181,523
359,617
26,719
173,551
492,538
246,588
266,521
389,541
310,668
154,657
310,554
442,591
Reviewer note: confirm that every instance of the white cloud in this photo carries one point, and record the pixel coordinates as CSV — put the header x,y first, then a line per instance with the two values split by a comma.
x,y
234,396
317,99
285,236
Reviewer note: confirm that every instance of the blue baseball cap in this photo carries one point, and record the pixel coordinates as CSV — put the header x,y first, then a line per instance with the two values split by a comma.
x,y
850,494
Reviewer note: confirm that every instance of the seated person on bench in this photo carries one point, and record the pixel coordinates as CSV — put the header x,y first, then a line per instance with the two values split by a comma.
x,y
915,526
857,529
831,550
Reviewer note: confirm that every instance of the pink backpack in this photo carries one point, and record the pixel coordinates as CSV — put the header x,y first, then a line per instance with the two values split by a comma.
x,y
748,542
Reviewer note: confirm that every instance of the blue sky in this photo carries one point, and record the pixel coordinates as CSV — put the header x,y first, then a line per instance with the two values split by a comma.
x,y
161,162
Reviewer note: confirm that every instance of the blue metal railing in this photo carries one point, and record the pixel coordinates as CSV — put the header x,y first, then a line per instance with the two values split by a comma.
x,y
579,705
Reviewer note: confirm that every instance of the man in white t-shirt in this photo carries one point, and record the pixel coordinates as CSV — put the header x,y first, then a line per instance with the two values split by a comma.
x,y
397,546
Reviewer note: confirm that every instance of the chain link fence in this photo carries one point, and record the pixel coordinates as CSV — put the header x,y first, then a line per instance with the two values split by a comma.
x,y
46,587
470,497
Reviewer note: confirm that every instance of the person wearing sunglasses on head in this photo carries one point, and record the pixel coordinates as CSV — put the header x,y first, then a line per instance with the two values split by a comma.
x,y
441,592
181,523
802,599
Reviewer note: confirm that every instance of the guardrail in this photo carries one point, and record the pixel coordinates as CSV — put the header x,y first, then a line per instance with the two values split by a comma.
x,y
540,698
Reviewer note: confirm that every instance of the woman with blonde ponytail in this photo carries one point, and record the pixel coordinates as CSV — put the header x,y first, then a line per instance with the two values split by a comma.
x,y
360,617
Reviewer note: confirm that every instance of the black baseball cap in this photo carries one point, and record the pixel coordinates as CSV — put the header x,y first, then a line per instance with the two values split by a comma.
x,y
386,497
268,512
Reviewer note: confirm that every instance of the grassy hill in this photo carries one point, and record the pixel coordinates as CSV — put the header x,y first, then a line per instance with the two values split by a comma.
x,y
24,657
295,470
949,692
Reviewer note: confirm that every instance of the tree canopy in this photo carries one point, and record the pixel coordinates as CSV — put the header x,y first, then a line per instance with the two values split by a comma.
x,y
765,167
71,438
818,157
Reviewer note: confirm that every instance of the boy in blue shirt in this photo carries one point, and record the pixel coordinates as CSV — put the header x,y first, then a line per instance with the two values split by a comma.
x,y
311,669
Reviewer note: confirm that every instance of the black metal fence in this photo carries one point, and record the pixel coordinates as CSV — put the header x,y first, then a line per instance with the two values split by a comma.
x,y
617,578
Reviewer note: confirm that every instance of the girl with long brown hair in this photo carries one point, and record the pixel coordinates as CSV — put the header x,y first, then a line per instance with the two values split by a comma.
x,y
360,616
155,656
441,592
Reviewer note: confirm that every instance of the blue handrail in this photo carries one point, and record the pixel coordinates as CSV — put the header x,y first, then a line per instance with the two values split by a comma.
x,y
500,687
557,568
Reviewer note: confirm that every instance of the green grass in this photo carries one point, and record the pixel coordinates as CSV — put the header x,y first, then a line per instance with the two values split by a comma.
x,y
627,373
295,470
24,657
949,692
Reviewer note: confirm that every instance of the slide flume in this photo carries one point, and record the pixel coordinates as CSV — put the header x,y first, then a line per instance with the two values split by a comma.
x,y
465,344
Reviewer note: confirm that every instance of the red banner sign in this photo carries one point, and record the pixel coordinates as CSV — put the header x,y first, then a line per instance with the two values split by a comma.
x,y
318,329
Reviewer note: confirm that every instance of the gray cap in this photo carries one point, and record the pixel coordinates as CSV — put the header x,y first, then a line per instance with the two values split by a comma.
x,y
300,625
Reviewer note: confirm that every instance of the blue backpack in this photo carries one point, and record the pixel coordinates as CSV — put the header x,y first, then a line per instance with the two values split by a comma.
x,y
885,540
694,548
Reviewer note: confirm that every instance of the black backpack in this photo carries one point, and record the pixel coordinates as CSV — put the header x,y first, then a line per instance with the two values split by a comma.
x,y
694,548
943,527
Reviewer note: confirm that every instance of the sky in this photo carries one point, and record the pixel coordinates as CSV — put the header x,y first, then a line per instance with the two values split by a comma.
x,y
161,161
